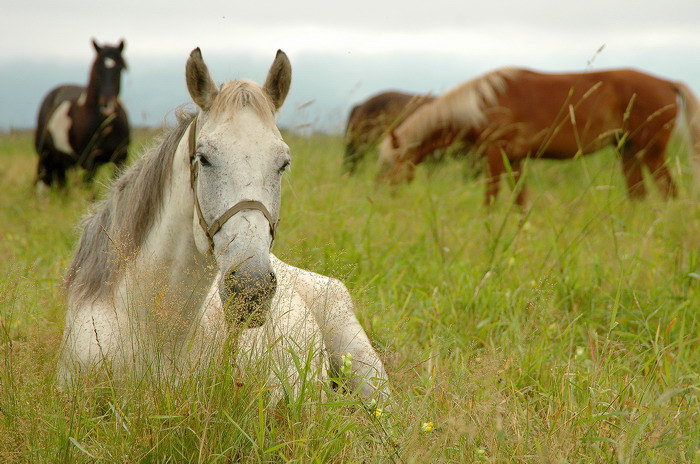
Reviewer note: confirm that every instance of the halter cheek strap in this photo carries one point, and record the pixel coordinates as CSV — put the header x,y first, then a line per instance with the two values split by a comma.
x,y
211,230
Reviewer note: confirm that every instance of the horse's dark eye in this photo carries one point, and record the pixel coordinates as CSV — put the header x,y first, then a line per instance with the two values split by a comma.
x,y
203,160
284,166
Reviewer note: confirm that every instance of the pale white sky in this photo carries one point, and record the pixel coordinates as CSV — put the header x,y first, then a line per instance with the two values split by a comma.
x,y
364,46
41,28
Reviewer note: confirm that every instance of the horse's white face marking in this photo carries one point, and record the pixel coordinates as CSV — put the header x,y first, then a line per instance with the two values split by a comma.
x,y
240,158
82,98
109,108
59,127
110,63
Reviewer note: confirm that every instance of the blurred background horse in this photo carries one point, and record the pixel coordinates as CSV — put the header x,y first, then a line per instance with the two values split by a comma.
x,y
513,114
83,126
370,120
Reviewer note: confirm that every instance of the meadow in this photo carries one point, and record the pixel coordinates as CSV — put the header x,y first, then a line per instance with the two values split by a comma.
x,y
566,333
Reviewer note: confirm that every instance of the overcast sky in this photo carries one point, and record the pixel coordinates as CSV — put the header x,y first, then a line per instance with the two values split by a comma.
x,y
363,46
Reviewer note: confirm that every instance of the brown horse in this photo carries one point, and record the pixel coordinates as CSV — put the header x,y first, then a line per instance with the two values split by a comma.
x,y
519,114
370,120
83,126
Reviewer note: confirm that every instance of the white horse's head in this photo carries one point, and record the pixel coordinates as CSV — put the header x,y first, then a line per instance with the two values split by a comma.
x,y
237,160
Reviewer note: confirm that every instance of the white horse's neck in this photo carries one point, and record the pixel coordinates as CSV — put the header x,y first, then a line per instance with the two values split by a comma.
x,y
183,275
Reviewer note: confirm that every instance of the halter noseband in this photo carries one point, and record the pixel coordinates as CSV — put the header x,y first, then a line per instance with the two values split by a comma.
x,y
211,230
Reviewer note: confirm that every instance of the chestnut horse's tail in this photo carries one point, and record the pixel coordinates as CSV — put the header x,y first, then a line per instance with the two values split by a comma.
x,y
691,111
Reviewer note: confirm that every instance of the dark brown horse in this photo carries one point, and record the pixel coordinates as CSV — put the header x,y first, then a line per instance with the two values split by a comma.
x,y
519,114
84,126
370,120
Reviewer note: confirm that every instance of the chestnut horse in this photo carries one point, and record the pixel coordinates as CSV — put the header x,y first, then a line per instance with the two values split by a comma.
x,y
518,114
83,126
369,121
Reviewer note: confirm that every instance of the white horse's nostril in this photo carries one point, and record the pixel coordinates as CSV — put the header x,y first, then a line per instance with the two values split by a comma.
x,y
250,282
246,295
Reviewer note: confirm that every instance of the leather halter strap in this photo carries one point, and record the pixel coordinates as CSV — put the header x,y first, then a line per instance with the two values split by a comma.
x,y
211,230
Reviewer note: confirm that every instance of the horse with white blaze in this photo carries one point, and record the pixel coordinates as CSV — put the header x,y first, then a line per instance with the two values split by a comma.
x,y
84,126
178,256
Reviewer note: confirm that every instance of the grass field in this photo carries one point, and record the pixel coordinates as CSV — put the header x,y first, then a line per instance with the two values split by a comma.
x,y
567,334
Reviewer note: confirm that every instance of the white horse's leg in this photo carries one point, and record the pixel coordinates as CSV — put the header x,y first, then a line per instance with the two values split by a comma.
x,y
332,306
289,344
92,340
207,337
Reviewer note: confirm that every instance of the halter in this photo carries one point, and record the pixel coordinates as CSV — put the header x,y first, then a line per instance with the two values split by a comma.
x,y
211,230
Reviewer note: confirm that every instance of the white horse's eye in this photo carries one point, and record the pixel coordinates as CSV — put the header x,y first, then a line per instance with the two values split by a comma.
x,y
284,166
203,160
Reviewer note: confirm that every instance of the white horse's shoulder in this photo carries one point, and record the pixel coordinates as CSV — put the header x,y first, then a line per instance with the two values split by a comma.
x,y
310,285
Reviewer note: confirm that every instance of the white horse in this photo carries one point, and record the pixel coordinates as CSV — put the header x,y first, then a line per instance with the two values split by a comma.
x,y
178,256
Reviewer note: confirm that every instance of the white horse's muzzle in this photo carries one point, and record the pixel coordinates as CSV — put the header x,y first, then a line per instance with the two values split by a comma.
x,y
246,293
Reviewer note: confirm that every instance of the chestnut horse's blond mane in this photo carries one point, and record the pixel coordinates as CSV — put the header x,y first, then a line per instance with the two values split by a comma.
x,y
464,106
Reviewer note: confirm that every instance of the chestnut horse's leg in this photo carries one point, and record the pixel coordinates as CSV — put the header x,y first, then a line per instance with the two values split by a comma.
x,y
494,170
521,197
632,168
657,167
354,150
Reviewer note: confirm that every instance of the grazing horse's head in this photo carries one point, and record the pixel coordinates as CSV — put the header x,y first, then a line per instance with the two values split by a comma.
x,y
106,74
395,163
237,158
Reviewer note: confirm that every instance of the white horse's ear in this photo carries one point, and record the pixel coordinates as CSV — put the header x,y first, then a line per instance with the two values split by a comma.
x,y
199,83
279,79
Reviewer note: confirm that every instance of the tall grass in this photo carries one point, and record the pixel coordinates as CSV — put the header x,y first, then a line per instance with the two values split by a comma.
x,y
566,333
